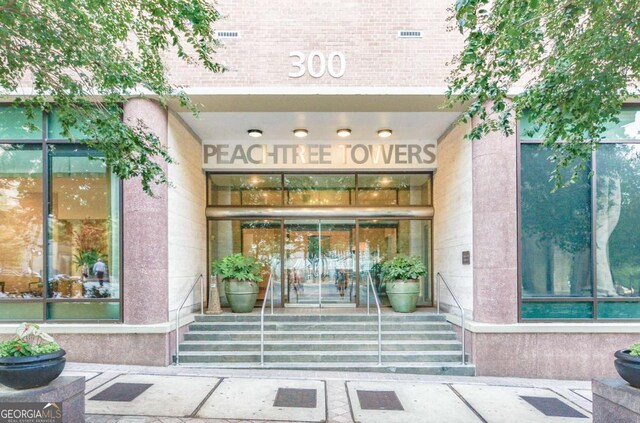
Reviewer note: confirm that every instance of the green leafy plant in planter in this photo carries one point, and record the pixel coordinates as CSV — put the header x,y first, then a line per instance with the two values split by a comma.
x,y
401,275
628,364
241,276
30,359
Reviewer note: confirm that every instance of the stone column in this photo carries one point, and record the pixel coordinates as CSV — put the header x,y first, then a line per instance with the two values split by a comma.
x,y
495,254
145,228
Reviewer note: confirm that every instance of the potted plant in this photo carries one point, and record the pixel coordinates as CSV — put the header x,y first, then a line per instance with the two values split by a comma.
x,y
401,275
30,359
241,276
628,364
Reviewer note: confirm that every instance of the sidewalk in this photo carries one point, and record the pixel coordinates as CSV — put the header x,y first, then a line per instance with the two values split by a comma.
x,y
117,393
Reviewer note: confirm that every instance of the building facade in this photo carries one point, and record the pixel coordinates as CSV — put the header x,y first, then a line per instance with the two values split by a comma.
x,y
323,151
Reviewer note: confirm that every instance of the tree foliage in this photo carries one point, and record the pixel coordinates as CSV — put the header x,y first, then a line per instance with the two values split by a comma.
x,y
569,64
89,56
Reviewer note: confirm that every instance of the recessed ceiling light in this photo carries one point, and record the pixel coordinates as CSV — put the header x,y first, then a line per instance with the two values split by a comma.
x,y
300,133
344,132
255,133
384,133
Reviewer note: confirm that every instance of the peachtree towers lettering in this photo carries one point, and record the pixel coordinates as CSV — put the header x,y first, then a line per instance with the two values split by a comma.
x,y
374,154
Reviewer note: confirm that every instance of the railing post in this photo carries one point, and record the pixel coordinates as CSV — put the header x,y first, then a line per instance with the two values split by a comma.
x,y
202,290
464,358
368,304
178,337
438,293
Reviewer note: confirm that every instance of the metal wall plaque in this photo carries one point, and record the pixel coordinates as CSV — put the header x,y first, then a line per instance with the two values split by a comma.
x,y
466,257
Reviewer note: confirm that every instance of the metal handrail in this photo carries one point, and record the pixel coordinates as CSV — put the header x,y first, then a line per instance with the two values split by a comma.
x,y
440,278
269,290
370,286
200,279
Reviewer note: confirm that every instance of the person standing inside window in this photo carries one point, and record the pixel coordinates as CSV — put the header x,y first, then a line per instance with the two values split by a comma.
x,y
99,269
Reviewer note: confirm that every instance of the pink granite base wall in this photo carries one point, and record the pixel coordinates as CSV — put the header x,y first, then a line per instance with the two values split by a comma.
x,y
548,355
136,349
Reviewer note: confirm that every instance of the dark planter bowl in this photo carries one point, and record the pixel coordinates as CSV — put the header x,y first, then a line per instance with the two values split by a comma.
x,y
31,372
628,367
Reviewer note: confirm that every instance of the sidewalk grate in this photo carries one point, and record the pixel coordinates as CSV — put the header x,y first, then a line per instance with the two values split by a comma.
x,y
552,407
122,392
379,400
296,398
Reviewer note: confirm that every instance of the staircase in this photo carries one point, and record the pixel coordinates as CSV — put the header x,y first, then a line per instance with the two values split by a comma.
x,y
420,342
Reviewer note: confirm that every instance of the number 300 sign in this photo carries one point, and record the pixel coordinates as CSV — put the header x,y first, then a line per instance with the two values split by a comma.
x,y
317,64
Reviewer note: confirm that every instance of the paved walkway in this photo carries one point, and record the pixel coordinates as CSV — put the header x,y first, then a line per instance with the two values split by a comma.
x,y
117,393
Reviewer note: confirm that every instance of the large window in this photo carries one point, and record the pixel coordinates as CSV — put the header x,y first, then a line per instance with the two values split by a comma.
x,y
67,266
311,190
579,245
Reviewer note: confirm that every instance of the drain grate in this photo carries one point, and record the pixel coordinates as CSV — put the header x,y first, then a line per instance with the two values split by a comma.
x,y
124,392
552,407
296,398
379,400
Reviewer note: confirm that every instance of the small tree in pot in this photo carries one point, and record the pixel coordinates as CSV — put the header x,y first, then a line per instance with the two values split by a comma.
x,y
402,274
30,359
628,364
241,276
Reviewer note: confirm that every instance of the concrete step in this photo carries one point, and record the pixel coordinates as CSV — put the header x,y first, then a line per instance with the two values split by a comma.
x,y
247,335
433,368
310,326
308,345
356,317
327,356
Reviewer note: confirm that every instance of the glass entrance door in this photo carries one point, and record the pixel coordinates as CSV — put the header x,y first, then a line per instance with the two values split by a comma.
x,y
320,262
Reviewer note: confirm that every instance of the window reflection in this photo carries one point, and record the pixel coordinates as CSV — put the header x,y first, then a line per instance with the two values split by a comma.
x,y
245,190
319,190
394,190
21,223
556,230
259,239
617,220
83,226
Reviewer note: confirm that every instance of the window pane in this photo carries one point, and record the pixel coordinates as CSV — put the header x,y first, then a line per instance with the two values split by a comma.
x,y
627,129
83,311
381,240
259,239
617,220
557,310
14,124
245,190
394,190
84,226
21,237
22,311
556,230
319,190
54,127
618,310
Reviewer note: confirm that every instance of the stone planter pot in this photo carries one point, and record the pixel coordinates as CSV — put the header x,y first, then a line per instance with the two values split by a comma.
x,y
628,367
403,295
241,295
31,372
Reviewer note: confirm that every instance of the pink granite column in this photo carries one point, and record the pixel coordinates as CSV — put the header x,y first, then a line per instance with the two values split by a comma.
x,y
495,263
145,223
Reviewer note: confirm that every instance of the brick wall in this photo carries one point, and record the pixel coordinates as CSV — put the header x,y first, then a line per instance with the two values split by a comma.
x,y
364,30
